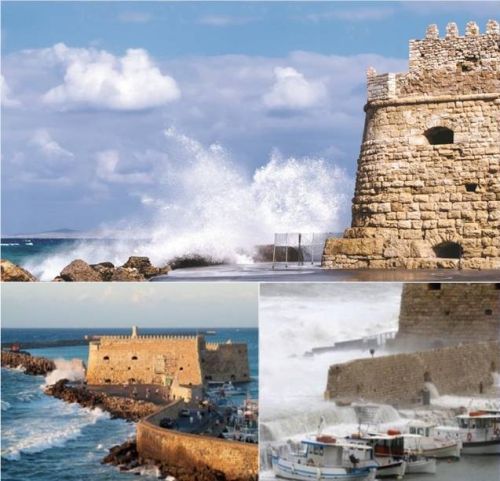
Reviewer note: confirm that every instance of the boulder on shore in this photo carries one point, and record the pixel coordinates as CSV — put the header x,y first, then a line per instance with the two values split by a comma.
x,y
136,269
79,271
36,366
11,272
144,266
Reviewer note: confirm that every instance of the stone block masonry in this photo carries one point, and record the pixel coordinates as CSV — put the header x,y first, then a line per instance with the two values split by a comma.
x,y
428,181
400,378
441,314
165,360
238,461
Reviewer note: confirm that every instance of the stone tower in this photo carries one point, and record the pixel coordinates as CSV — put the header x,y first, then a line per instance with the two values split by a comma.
x,y
428,181
439,314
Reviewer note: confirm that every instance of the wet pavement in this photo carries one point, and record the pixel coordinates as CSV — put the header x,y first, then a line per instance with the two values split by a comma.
x,y
264,272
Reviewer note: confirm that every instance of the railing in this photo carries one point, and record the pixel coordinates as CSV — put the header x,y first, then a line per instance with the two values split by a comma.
x,y
299,248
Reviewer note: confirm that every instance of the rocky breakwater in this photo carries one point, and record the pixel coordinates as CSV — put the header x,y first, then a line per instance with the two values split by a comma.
x,y
136,268
126,457
36,366
119,407
11,272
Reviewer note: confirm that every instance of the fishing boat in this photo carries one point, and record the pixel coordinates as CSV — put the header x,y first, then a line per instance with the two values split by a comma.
x,y
421,437
388,453
323,458
225,389
479,432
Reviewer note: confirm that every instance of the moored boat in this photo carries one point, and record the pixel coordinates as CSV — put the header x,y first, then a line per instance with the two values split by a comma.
x,y
325,458
421,437
479,432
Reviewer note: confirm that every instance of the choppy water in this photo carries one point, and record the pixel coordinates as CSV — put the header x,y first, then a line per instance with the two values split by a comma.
x,y
292,386
45,439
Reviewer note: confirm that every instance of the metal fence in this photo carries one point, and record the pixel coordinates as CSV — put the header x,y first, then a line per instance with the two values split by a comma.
x,y
299,248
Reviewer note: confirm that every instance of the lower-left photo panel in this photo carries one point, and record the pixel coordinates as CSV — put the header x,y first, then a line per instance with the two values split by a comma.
x,y
103,383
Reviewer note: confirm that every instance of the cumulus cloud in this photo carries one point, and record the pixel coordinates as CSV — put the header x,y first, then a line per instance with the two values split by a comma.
x,y
108,169
224,20
291,90
98,79
353,14
48,146
134,17
6,99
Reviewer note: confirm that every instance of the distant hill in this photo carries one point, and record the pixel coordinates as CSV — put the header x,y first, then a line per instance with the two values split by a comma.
x,y
50,234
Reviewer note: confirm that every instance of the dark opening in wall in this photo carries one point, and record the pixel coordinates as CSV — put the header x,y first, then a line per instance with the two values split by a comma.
x,y
233,377
497,287
134,358
208,378
493,366
488,312
107,381
181,369
439,135
434,286
427,376
481,388
448,250
471,187
105,358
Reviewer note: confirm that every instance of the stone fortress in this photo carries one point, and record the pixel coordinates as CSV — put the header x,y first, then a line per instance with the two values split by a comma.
x,y
171,361
427,189
463,319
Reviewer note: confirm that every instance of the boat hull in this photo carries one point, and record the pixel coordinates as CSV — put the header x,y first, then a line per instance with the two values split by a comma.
x,y
423,466
395,469
288,470
451,451
482,447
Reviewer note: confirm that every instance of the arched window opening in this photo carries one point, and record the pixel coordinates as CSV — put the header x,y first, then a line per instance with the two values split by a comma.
x,y
134,358
448,250
105,358
439,135
107,381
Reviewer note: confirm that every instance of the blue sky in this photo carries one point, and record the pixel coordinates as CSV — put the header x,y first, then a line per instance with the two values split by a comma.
x,y
125,304
90,89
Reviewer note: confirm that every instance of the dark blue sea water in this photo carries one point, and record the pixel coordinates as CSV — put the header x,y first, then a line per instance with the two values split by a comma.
x,y
20,251
46,439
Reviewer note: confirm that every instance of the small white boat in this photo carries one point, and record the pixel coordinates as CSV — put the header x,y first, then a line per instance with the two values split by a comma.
x,y
388,451
244,435
479,432
325,458
420,465
421,439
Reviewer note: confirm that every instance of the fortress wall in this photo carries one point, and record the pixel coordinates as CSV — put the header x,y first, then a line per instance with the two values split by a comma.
x,y
226,362
156,358
400,378
236,460
454,312
412,194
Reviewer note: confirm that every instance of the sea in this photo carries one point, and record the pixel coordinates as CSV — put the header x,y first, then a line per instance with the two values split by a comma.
x,y
292,383
46,439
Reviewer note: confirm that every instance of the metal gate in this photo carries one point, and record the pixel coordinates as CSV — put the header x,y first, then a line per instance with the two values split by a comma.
x,y
299,248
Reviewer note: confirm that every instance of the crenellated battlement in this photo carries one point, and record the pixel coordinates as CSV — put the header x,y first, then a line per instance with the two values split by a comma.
x,y
448,65
165,359
427,190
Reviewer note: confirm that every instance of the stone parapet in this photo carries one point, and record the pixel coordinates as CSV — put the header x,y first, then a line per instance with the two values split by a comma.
x,y
401,378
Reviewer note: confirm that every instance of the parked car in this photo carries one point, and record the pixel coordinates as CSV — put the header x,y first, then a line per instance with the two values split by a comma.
x,y
167,423
184,413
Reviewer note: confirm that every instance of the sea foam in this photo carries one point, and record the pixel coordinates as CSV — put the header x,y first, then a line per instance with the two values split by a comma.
x,y
203,203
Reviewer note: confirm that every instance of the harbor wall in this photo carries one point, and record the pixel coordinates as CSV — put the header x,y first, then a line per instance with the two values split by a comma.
x,y
238,461
401,378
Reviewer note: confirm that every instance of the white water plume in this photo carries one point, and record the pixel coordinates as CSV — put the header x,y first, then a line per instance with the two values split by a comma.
x,y
203,203
72,370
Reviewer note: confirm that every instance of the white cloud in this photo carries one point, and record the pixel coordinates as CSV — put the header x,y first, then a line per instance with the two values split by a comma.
x,y
108,171
48,146
6,99
134,17
98,79
292,90
353,14
224,20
